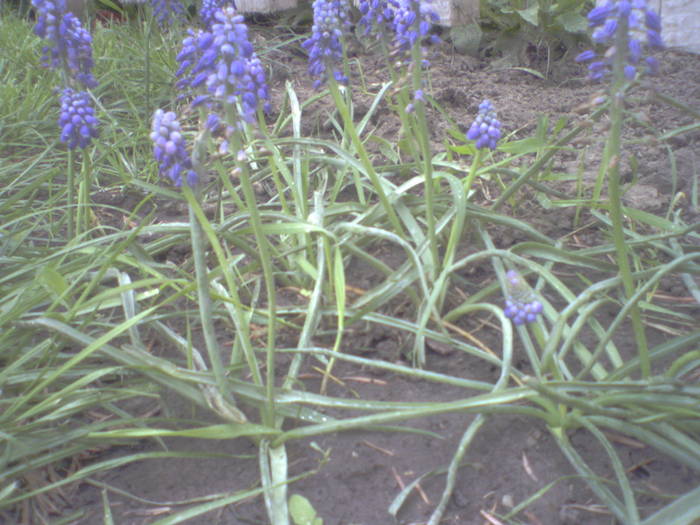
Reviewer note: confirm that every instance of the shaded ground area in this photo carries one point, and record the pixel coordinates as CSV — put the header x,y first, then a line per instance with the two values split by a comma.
x,y
512,458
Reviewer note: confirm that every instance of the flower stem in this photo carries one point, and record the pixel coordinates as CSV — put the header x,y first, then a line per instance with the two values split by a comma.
x,y
201,271
83,212
614,193
423,136
70,196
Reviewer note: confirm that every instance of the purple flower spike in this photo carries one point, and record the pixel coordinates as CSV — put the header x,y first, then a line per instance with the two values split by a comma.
x,y
325,46
412,23
643,25
77,119
167,11
222,62
378,16
486,128
522,305
170,150
209,8
69,44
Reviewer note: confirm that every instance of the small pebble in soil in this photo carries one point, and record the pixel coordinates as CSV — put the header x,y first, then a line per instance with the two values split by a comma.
x,y
460,500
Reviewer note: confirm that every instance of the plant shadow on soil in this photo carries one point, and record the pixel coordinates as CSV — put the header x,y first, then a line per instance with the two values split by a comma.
x,y
512,457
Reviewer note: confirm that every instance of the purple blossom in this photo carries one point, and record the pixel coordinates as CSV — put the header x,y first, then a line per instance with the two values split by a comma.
x,y
522,305
222,63
167,11
194,67
412,22
77,119
170,150
209,8
643,25
486,128
325,45
378,16
69,44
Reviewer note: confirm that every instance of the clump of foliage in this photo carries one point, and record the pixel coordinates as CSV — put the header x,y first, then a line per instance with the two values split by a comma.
x,y
86,300
520,30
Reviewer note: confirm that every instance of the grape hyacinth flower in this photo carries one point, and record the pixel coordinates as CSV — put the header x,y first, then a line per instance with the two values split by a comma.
x,y
208,9
223,62
522,305
378,16
170,150
486,128
69,44
167,11
642,23
325,45
412,22
194,68
77,119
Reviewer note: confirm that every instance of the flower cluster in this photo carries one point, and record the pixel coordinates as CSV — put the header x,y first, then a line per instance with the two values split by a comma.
x,y
378,16
167,11
325,45
170,150
193,70
69,44
521,304
412,22
486,128
69,48
77,119
231,50
642,23
208,9
223,62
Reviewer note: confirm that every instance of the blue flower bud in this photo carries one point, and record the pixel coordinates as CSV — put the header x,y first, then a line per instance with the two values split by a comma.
x,y
652,20
598,14
522,306
585,56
